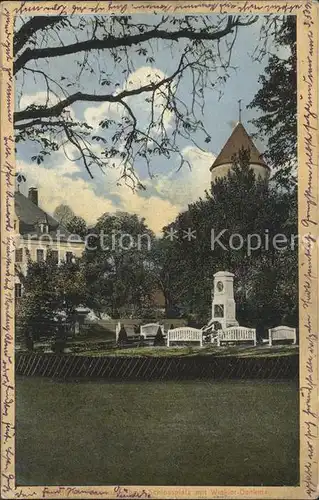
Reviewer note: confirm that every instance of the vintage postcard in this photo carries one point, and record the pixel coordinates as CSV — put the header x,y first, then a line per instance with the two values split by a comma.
x,y
159,249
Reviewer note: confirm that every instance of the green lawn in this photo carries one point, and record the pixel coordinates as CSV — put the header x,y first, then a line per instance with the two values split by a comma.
x,y
194,433
239,351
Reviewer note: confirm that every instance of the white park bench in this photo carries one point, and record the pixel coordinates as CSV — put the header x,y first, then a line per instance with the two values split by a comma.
x,y
117,330
282,333
185,334
236,334
151,329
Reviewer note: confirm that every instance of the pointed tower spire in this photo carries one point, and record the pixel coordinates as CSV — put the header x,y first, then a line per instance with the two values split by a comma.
x,y
239,139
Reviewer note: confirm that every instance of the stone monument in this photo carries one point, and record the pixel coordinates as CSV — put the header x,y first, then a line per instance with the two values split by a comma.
x,y
223,302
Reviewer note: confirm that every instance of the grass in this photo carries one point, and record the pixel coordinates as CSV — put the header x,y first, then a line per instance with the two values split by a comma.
x,y
191,433
239,351
98,332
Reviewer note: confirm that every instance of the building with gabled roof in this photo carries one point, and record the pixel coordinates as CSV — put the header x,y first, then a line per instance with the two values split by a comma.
x,y
37,233
239,139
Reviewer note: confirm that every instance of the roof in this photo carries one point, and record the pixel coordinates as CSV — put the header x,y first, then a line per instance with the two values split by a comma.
x,y
239,139
31,215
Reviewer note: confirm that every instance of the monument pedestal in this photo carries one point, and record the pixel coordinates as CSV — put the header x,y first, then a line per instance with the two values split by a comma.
x,y
223,303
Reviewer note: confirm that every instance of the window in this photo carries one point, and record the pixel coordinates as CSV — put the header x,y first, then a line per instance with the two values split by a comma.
x,y
19,254
18,290
44,228
69,257
40,255
55,256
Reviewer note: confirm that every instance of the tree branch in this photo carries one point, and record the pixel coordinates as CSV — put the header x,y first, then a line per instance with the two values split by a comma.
x,y
56,109
114,42
29,28
38,121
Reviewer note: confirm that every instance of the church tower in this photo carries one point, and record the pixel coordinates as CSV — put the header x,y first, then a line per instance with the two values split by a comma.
x,y
239,139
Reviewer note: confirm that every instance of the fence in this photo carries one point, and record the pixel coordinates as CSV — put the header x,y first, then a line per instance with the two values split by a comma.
x,y
157,368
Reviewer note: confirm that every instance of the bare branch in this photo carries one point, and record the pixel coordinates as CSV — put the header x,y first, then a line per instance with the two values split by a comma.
x,y
114,42
29,28
55,110
123,141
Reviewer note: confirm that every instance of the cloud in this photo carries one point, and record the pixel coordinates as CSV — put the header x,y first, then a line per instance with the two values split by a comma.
x,y
187,185
198,178
93,115
38,98
141,108
67,168
166,196
157,212
56,186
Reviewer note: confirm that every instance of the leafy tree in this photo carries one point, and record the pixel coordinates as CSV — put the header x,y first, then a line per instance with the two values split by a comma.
x,y
164,258
159,338
35,314
51,294
77,225
67,218
63,214
243,206
277,101
117,265
101,47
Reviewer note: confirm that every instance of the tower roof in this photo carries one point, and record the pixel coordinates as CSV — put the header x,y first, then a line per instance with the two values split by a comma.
x,y
239,139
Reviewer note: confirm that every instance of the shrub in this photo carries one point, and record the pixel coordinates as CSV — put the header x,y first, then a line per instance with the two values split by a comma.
x,y
122,338
60,339
159,337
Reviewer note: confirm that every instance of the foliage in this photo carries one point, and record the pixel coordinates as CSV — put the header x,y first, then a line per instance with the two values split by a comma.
x,y
77,226
117,265
107,50
122,338
159,338
277,101
67,218
51,294
265,277
63,214
163,260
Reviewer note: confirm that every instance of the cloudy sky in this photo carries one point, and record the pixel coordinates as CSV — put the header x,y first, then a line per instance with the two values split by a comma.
x,y
63,179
